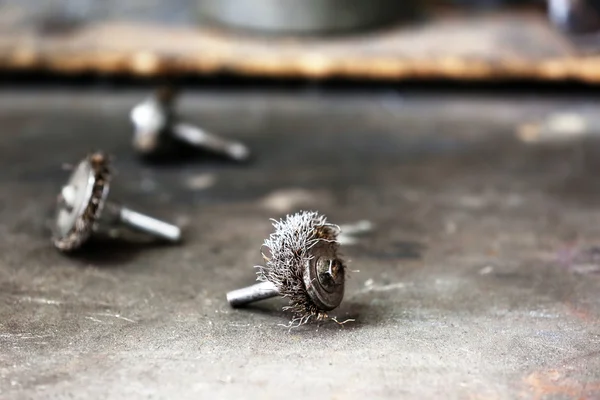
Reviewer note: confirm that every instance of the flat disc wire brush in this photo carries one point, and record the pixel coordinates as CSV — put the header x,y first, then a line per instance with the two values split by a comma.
x,y
301,264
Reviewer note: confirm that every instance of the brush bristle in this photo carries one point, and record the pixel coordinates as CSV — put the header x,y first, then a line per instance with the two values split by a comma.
x,y
289,251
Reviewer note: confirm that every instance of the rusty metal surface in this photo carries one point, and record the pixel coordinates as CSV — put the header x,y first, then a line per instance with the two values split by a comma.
x,y
147,40
480,278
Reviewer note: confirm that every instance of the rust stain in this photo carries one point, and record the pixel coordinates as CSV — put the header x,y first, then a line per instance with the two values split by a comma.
x,y
579,312
542,384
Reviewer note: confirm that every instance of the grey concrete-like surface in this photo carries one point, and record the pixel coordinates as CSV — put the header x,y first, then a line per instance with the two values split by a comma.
x,y
479,280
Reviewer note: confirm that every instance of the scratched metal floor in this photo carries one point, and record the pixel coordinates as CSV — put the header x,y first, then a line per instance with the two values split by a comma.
x,y
479,280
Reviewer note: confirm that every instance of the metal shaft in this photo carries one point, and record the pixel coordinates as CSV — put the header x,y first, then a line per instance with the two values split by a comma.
x,y
209,141
259,291
149,225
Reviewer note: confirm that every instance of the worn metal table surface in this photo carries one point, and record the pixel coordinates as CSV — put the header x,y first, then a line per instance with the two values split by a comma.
x,y
479,280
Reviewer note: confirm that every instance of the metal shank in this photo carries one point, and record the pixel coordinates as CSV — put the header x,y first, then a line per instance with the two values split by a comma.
x,y
259,291
149,225
198,137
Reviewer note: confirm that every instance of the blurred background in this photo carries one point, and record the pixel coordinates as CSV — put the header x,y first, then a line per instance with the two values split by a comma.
x,y
352,39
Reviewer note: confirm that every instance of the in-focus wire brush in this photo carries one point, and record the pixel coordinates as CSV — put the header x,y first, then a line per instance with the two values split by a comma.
x,y
301,264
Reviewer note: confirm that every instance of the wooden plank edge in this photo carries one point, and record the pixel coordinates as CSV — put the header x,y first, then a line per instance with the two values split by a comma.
x,y
148,64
